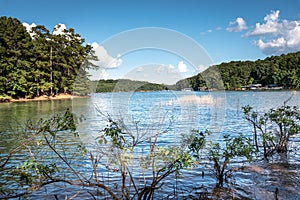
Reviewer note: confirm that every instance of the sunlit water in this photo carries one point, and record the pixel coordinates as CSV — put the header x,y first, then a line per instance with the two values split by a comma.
x,y
175,114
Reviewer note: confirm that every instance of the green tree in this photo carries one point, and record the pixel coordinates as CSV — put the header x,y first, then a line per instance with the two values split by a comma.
x,y
45,62
15,65
239,146
275,127
281,70
68,55
41,59
162,162
221,155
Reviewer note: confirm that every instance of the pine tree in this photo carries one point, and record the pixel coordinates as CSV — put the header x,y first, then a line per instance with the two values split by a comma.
x,y
43,62
14,63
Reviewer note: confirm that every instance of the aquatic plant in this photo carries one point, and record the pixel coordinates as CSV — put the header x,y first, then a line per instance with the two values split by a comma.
x,y
275,127
222,154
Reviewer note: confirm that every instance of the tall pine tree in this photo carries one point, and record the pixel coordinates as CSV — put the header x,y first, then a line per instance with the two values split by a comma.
x,y
43,63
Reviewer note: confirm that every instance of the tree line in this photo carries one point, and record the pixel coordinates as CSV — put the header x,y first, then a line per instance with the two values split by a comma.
x,y
126,85
40,62
283,70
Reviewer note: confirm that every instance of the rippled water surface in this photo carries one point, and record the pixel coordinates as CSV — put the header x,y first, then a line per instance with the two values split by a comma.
x,y
176,113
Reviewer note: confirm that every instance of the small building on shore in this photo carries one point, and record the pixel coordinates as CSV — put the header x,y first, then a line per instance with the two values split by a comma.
x,y
253,87
260,87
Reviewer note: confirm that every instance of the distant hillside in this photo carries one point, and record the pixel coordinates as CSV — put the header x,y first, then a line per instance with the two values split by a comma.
x,y
283,70
125,85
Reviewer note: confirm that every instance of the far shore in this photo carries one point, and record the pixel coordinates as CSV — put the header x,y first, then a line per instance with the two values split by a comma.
x,y
49,98
64,96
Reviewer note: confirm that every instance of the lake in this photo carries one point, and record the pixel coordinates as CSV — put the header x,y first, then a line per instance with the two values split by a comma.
x,y
176,114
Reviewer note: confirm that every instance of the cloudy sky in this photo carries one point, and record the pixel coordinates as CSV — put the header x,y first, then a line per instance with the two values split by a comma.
x,y
226,30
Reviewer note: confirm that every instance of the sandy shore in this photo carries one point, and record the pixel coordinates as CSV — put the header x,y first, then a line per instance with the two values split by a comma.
x,y
45,98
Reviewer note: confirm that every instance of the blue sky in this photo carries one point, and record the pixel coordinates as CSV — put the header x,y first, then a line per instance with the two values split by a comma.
x,y
227,30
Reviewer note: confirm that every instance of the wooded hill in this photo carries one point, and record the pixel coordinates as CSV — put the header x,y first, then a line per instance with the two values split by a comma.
x,y
125,85
283,70
40,62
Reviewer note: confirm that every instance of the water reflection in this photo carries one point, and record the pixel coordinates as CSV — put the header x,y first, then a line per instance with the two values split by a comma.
x,y
179,112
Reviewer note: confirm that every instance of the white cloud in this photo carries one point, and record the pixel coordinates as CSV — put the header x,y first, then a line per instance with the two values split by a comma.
x,y
200,68
103,74
95,45
238,25
276,46
105,60
182,67
29,28
277,36
160,69
59,29
139,69
271,25
171,67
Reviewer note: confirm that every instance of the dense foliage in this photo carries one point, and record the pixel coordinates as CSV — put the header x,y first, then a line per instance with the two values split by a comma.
x,y
32,64
221,155
125,85
281,70
40,62
274,128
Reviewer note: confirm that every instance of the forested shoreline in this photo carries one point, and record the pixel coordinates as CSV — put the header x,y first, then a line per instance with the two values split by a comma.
x,y
283,70
273,72
126,85
42,62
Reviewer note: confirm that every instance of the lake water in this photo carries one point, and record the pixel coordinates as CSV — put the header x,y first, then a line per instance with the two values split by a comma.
x,y
176,114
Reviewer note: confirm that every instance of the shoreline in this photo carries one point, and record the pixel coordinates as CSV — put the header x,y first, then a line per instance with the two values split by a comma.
x,y
46,98
69,97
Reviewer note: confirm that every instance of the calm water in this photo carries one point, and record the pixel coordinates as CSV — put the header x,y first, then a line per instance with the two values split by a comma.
x,y
177,113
